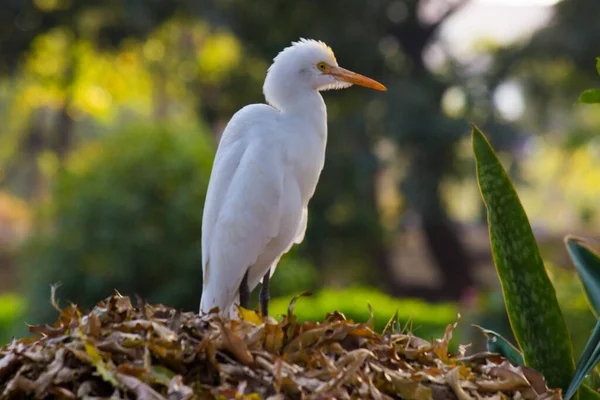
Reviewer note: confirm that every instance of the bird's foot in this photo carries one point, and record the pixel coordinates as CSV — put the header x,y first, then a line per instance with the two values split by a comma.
x,y
244,291
264,296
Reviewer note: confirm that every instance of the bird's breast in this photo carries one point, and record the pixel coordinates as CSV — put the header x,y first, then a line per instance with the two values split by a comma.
x,y
306,155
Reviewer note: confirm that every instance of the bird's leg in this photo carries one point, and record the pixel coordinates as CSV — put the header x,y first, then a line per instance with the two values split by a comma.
x,y
264,294
244,291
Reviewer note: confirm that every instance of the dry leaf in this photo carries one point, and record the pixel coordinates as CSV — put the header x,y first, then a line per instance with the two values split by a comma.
x,y
119,351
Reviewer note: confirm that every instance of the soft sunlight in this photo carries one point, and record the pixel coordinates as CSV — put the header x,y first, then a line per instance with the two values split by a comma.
x,y
482,22
520,2
509,101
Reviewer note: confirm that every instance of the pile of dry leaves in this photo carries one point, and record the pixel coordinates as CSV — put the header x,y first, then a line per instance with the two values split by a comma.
x,y
155,352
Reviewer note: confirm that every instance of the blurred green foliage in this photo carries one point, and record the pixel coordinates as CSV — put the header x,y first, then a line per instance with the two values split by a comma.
x,y
294,273
126,214
12,311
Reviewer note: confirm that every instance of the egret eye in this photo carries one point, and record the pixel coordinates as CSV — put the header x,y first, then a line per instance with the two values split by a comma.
x,y
321,66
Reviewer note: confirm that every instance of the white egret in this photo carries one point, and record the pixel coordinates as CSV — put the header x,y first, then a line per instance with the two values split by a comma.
x,y
265,172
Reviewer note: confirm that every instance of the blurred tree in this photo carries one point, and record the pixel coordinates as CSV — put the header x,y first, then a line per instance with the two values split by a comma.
x,y
126,214
345,210
552,69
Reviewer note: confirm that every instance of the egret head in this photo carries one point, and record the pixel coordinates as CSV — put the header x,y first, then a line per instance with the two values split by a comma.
x,y
309,65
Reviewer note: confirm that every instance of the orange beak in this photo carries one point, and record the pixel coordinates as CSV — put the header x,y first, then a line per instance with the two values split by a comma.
x,y
354,78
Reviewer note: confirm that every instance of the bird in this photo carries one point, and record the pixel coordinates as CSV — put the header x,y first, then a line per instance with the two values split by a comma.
x,y
265,172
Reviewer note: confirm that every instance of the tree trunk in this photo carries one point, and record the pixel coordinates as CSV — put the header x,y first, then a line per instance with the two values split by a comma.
x,y
64,132
450,255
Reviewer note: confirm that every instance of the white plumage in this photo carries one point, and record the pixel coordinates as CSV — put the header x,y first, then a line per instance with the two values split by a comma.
x,y
265,171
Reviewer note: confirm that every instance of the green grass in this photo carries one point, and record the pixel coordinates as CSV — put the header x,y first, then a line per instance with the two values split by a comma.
x,y
12,312
423,319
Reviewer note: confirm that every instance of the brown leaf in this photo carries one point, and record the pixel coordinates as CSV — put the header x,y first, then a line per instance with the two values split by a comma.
x,y
453,379
47,330
235,345
75,321
132,370
19,384
371,321
175,322
510,378
363,330
129,339
112,344
66,374
8,363
119,305
141,390
45,379
440,347
37,354
400,383
63,393
134,326
289,323
162,351
92,325
335,316
66,316
163,332
350,364
273,338
333,331
178,390
251,334
537,381
85,389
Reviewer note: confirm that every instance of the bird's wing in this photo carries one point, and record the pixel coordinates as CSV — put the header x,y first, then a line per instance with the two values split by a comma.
x,y
243,208
302,227
225,166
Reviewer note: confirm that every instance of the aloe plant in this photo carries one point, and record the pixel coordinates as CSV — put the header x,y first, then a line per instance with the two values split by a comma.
x,y
588,266
587,263
535,316
496,343
591,96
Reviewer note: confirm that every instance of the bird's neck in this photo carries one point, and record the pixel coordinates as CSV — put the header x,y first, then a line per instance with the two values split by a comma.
x,y
307,104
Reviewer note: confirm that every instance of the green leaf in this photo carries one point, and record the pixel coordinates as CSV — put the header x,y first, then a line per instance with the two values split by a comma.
x,y
587,393
590,96
105,369
161,375
589,359
533,310
496,343
598,65
587,263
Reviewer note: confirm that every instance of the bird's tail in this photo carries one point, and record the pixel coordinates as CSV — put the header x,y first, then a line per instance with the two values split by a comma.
x,y
208,303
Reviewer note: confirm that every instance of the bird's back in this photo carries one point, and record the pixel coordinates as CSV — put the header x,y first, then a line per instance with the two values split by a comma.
x,y
234,142
241,212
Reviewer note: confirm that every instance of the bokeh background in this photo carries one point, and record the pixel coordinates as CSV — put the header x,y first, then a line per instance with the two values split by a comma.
x,y
111,112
